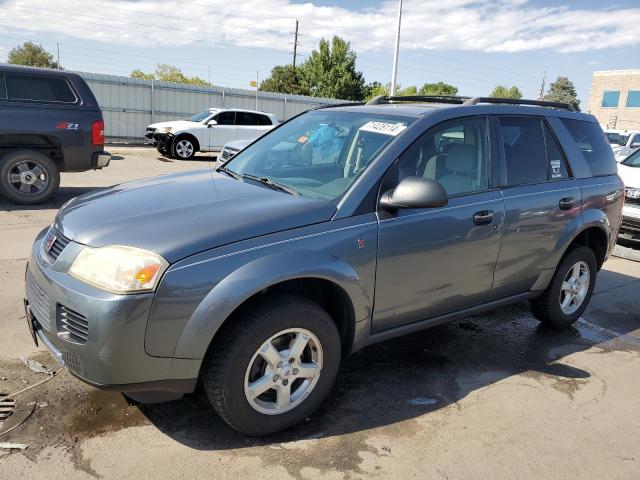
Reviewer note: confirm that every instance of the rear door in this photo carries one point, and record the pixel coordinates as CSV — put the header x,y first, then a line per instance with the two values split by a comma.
x,y
541,200
248,126
438,260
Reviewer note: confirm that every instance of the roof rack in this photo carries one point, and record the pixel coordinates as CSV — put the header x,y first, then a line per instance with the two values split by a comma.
x,y
341,104
386,99
519,101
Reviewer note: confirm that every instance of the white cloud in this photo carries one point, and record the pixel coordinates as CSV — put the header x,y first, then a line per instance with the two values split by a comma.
x,y
476,25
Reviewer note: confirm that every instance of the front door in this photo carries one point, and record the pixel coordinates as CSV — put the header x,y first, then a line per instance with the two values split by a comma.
x,y
223,131
439,260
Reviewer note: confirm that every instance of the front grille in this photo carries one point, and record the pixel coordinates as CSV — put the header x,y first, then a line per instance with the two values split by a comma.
x,y
55,243
635,201
72,362
225,154
72,325
631,224
38,302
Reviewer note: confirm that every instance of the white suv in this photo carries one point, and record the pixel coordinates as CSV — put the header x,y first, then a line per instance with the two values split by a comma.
x,y
629,171
208,131
623,142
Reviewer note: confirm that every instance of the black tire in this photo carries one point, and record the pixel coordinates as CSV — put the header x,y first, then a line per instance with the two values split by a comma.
x,y
229,358
15,181
183,147
547,308
163,151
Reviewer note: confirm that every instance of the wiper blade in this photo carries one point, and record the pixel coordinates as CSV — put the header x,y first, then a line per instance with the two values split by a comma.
x,y
270,183
231,173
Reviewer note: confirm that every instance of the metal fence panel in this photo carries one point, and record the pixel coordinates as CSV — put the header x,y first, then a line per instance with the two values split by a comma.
x,y
130,104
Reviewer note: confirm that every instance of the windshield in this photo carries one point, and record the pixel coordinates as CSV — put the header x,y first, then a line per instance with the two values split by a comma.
x,y
617,138
198,117
632,160
321,153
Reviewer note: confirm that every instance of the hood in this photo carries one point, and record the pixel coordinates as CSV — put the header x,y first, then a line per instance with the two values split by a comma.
x,y
183,214
176,124
239,144
630,175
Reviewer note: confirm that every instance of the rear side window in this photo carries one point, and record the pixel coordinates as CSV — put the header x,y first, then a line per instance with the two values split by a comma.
x,y
556,160
38,88
246,118
264,120
3,88
593,145
524,149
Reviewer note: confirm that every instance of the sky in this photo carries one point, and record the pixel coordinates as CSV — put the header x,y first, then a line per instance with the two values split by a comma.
x,y
473,44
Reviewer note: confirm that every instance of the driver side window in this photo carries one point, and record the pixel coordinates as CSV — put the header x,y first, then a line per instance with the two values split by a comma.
x,y
453,154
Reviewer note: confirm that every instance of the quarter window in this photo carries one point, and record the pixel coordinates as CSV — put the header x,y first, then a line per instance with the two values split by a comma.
x,y
524,150
264,120
633,98
556,160
38,88
226,118
454,154
610,99
593,144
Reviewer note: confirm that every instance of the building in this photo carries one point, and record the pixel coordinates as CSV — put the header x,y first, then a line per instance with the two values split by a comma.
x,y
614,99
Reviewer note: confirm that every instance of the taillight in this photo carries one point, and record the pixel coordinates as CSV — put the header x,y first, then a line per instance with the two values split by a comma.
x,y
97,133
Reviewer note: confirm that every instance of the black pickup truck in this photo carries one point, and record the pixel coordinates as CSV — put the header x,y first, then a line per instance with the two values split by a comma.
x,y
50,122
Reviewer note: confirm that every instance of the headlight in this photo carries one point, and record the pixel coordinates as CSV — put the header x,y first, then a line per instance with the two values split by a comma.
x,y
119,269
163,130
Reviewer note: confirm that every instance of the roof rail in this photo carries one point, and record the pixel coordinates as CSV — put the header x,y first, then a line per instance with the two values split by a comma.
x,y
386,99
341,104
520,101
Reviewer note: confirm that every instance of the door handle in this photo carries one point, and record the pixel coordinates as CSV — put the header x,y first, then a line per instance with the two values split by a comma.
x,y
483,217
566,203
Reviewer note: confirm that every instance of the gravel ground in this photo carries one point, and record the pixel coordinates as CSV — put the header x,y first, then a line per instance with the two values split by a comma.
x,y
492,396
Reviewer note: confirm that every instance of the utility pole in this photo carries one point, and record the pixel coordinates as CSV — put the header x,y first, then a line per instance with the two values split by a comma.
x,y
58,48
394,74
295,44
257,86
209,74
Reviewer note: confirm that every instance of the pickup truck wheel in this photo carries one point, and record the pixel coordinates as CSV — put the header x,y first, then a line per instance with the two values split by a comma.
x,y
28,177
570,290
273,365
183,148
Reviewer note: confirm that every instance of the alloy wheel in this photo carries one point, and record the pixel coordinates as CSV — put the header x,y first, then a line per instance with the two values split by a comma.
x,y
574,287
184,148
28,178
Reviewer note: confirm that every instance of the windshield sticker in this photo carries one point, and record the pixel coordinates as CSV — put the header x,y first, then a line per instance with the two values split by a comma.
x,y
384,128
556,171
303,139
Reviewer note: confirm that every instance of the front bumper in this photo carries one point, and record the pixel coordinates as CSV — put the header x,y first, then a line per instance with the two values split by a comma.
x,y
630,226
96,335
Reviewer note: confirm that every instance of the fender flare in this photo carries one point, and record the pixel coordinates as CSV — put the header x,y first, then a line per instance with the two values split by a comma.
x,y
257,275
191,136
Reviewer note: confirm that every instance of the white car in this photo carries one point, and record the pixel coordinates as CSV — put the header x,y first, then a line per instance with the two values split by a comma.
x,y
623,142
208,131
629,171
230,149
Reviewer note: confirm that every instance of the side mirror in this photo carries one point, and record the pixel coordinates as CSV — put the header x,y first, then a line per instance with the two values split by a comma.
x,y
211,123
415,192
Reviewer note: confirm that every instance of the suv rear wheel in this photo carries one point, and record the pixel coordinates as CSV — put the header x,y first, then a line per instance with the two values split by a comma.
x,y
570,290
273,365
28,177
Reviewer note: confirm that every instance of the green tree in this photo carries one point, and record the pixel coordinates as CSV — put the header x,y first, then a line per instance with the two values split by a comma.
x,y
439,88
330,71
411,90
375,89
503,91
285,79
32,55
169,73
563,90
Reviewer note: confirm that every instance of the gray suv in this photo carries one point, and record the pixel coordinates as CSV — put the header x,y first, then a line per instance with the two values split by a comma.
x,y
342,227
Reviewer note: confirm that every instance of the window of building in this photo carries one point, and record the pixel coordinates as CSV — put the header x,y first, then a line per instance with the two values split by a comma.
x,y
38,88
633,98
610,99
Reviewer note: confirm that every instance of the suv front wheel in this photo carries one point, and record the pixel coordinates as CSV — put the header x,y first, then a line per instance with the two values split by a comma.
x,y
570,290
183,148
28,177
272,365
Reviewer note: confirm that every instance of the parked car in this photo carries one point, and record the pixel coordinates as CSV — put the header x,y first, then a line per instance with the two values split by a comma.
x,y
207,131
50,122
623,142
230,149
343,227
629,170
